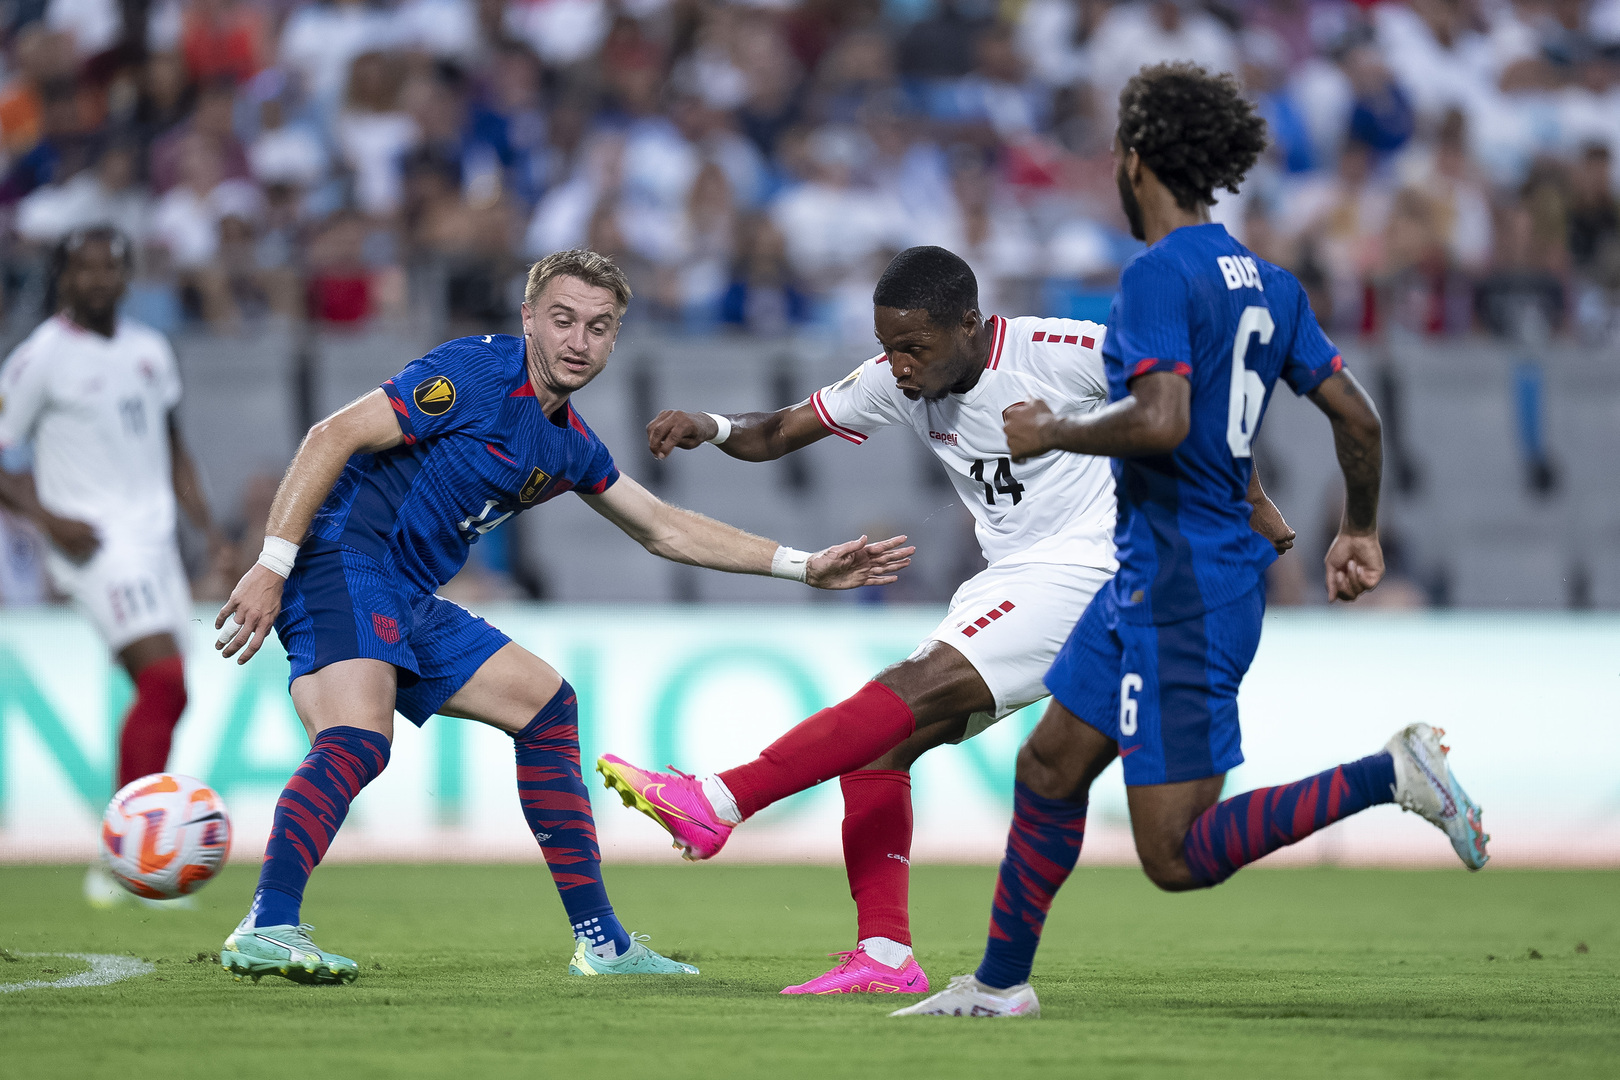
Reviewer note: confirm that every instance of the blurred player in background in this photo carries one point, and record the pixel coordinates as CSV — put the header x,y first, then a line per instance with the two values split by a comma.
x,y
94,394
1199,334
378,510
1045,526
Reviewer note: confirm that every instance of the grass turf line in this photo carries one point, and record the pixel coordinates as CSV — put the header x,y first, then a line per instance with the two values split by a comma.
x,y
1344,973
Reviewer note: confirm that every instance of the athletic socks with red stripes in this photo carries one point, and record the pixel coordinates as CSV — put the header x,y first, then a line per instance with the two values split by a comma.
x,y
340,762
558,810
1042,848
877,857
160,698
1236,832
838,739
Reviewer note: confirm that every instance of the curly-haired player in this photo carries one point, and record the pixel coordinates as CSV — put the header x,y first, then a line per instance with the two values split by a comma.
x,y
1199,333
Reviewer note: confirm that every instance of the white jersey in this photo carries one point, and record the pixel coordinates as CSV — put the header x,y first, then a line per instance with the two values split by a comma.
x,y
96,411
1055,508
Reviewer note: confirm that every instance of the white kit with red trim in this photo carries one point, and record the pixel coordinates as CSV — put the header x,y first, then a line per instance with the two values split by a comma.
x,y
96,411
1056,508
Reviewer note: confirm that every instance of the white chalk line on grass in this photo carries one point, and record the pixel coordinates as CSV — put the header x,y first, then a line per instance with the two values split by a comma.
x,y
105,969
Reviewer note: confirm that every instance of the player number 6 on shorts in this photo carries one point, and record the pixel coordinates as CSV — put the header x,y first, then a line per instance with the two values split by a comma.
x,y
1130,684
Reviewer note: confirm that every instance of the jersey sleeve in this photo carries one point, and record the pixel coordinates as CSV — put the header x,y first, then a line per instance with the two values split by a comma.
x,y
858,404
169,386
457,387
1150,327
1082,373
600,472
1312,358
22,397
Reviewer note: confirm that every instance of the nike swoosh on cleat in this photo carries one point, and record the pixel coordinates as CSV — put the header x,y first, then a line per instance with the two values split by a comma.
x,y
653,793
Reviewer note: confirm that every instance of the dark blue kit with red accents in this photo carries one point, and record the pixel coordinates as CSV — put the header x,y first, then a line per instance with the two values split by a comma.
x,y
1156,660
399,524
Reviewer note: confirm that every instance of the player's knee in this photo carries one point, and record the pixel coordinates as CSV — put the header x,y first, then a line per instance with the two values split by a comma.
x,y
1041,769
1169,872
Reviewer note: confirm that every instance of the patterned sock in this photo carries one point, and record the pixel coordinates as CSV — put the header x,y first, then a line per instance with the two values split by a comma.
x,y
1245,827
1042,848
160,698
341,761
558,810
859,729
877,851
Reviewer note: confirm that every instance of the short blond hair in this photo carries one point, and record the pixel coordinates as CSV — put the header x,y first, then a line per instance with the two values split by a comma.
x,y
587,266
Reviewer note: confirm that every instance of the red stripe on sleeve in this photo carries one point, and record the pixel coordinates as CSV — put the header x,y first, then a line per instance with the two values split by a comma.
x,y
827,421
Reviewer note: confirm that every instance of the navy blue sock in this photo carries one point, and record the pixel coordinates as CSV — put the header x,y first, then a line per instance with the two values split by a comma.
x,y
1041,850
558,810
1236,832
340,762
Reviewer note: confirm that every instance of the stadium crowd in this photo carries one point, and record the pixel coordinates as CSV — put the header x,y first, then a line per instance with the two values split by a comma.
x,y
1442,165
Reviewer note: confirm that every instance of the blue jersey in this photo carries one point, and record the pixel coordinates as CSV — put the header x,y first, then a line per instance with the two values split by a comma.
x,y
477,450
1198,304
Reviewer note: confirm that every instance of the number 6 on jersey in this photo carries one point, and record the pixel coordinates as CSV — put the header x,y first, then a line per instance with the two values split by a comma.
x,y
1248,389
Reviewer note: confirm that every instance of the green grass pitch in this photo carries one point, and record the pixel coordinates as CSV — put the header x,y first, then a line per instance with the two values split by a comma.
x,y
1338,973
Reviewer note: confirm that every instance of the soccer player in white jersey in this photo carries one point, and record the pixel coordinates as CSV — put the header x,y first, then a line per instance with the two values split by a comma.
x,y
1045,527
95,395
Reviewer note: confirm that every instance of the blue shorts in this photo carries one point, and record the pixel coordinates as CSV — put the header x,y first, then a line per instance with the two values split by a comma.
x,y
1167,694
341,605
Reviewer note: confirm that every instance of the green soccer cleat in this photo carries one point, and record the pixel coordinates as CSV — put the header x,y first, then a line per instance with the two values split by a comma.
x,y
640,960
256,951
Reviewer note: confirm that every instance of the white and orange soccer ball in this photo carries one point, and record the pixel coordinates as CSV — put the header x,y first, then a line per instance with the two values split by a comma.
x,y
165,835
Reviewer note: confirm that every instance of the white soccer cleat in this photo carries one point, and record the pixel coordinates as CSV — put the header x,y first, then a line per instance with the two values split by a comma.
x,y
967,996
1425,786
101,890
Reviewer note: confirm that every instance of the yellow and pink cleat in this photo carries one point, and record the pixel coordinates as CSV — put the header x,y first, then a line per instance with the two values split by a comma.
x,y
675,800
858,973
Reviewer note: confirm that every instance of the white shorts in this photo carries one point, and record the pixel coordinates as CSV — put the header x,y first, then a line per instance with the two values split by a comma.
x,y
129,591
1010,623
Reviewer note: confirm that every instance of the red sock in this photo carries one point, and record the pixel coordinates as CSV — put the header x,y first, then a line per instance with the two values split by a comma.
x,y
837,740
877,851
160,698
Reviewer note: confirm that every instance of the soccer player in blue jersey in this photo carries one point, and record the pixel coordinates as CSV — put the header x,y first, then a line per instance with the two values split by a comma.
x,y
379,509
1199,334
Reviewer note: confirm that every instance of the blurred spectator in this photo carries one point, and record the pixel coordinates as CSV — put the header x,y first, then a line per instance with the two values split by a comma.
x,y
38,57
373,132
283,153
223,40
63,149
1341,219
1150,32
1594,218
214,118
344,288
764,296
107,194
320,40
1435,53
188,219
1053,36
562,32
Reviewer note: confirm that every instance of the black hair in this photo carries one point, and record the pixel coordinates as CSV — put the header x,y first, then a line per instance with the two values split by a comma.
x,y
72,243
1196,131
929,279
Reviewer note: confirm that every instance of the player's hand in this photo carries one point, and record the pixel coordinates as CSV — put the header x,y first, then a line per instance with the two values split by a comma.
x,y
675,430
1268,521
76,539
1355,564
254,603
1027,423
857,563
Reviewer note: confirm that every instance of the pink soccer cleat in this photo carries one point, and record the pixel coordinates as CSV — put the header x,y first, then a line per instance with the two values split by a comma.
x,y
858,973
674,799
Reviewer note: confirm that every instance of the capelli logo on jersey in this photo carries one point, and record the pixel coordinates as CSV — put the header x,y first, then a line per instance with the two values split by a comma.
x,y
946,437
434,396
533,486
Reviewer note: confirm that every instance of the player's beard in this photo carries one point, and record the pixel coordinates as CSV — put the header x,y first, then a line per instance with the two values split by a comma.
x,y
1127,200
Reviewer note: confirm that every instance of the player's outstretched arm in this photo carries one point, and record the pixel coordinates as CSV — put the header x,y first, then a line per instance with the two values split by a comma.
x,y
364,426
758,436
1153,419
685,537
1266,519
1355,561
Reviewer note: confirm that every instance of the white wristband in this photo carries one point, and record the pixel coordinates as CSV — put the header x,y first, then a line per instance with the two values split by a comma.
x,y
278,555
724,424
790,563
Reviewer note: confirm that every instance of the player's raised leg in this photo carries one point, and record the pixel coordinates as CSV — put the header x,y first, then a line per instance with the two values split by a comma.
x,y
521,694
935,686
348,710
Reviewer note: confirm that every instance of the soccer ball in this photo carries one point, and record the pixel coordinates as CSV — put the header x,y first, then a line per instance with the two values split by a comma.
x,y
165,835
